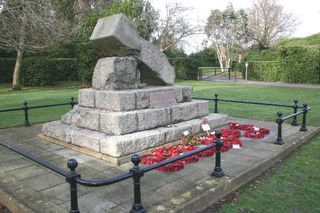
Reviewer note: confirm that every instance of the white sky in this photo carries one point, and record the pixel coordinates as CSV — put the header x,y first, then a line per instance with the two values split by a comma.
x,y
307,12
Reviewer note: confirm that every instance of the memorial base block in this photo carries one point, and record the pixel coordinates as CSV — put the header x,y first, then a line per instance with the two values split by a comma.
x,y
116,124
117,149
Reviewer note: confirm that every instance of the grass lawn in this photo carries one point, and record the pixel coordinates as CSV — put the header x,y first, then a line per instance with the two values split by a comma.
x,y
281,95
293,187
63,92
35,96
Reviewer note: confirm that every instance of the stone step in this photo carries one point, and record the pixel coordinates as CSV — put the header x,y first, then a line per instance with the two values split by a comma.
x,y
127,100
121,123
118,148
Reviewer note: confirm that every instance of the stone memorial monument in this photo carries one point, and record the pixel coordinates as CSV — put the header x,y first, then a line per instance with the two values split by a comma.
x,y
132,105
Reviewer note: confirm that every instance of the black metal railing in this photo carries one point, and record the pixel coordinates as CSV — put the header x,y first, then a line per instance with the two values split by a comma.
x,y
295,105
214,72
74,178
280,120
26,108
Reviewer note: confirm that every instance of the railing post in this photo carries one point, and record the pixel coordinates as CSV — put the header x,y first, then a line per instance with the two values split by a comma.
x,y
72,180
295,110
218,172
229,73
279,121
215,103
26,116
72,102
137,174
304,118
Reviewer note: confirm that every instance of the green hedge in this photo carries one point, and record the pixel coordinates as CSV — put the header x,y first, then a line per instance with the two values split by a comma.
x,y
40,70
300,64
295,65
185,68
263,55
263,70
6,69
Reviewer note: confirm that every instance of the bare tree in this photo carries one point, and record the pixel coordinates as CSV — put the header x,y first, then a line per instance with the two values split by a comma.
x,y
27,26
268,22
227,30
173,29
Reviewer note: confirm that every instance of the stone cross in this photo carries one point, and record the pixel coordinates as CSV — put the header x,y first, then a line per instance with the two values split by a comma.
x,y
117,36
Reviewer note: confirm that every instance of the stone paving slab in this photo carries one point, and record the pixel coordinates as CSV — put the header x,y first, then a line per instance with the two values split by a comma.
x,y
28,187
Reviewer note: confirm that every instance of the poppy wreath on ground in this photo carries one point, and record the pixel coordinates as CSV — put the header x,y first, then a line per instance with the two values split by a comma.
x,y
201,140
249,130
191,142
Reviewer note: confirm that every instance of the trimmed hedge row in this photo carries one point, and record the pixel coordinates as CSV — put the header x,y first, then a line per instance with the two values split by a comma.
x,y
186,68
6,69
40,70
300,65
264,70
295,65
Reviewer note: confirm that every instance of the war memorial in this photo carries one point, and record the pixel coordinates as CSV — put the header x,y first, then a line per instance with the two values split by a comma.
x,y
132,109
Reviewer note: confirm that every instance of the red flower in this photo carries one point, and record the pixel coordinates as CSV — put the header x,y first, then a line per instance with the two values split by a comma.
x,y
191,159
229,137
171,167
207,153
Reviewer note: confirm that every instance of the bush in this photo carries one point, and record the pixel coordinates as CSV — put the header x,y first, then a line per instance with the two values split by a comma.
x,y
294,65
264,55
6,69
300,65
41,70
206,57
263,70
186,67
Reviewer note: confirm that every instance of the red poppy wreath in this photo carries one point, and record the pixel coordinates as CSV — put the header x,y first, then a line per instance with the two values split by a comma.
x,y
230,137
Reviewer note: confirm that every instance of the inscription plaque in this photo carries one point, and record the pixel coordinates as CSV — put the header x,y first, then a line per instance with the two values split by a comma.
x,y
162,98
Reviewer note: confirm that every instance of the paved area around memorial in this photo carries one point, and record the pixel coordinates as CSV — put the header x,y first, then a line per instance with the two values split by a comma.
x,y
26,186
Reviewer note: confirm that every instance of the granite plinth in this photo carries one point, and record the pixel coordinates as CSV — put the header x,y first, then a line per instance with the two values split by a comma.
x,y
120,123
118,147
132,99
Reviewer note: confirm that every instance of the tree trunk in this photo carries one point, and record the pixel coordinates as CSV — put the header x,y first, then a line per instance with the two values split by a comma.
x,y
221,65
16,72
20,50
240,57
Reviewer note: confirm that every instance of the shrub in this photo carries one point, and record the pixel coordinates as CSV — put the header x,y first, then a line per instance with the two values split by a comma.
x,y
300,64
294,65
186,67
6,69
264,55
263,70
41,70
